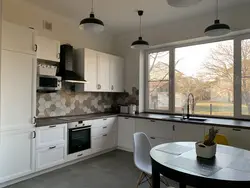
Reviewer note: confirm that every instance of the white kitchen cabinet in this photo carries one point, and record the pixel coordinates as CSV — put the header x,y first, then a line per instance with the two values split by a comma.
x,y
103,72
188,132
18,90
48,49
79,155
116,74
16,154
126,130
51,135
18,38
50,156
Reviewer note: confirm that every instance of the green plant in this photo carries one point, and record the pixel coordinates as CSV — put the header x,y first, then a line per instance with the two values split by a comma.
x,y
211,137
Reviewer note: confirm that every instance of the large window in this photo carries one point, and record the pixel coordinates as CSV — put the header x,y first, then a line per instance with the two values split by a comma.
x,y
209,70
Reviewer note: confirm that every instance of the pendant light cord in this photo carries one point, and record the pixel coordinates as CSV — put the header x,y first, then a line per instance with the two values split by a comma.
x,y
217,9
92,6
140,27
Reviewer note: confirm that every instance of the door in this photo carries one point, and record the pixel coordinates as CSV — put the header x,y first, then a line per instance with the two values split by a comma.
x,y
188,132
17,154
48,49
126,129
116,74
90,70
18,38
18,90
103,72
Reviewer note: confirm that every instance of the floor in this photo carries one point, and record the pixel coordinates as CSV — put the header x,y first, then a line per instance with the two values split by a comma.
x,y
112,170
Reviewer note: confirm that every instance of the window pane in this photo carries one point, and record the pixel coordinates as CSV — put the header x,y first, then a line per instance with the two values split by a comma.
x,y
245,76
158,81
206,71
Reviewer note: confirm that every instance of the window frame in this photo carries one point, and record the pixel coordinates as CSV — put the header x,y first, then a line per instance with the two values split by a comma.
x,y
237,38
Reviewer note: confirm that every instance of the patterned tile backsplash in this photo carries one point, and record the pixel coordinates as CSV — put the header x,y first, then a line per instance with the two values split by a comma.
x,y
71,103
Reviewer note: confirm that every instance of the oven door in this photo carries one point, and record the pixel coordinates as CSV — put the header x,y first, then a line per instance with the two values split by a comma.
x,y
79,139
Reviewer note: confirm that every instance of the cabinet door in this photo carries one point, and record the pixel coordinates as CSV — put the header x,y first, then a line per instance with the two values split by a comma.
x,y
103,72
48,49
50,156
17,154
126,129
18,90
116,74
18,38
188,132
109,140
90,70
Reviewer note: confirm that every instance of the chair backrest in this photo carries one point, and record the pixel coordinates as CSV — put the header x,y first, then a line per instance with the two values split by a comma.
x,y
142,149
220,139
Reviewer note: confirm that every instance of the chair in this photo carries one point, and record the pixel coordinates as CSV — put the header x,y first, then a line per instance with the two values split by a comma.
x,y
142,159
220,139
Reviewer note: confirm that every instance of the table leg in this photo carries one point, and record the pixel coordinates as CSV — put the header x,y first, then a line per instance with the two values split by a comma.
x,y
155,177
181,185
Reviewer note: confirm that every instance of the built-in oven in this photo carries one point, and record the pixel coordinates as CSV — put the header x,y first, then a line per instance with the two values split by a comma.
x,y
79,137
48,83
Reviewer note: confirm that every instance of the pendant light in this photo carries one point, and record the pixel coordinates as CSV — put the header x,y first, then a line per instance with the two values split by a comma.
x,y
217,29
140,43
92,23
182,3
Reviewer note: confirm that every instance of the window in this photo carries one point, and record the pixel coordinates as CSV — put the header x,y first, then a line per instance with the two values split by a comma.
x,y
158,80
214,72
206,71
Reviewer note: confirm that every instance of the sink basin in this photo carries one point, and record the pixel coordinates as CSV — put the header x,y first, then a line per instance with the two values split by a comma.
x,y
195,119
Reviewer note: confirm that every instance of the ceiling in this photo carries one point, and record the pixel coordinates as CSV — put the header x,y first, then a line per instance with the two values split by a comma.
x,y
120,15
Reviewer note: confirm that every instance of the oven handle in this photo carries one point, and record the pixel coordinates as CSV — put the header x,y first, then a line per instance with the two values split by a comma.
x,y
80,129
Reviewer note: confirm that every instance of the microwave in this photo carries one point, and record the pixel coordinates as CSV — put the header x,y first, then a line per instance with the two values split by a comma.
x,y
49,83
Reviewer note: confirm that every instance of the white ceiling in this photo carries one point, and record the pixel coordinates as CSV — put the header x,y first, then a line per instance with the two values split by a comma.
x,y
121,16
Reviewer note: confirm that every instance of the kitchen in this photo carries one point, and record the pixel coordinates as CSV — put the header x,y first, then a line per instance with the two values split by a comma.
x,y
38,126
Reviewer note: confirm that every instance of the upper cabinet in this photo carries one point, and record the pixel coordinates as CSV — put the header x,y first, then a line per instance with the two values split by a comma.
x,y
18,38
48,49
103,72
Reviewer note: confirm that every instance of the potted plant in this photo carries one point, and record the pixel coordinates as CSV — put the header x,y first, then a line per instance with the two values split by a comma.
x,y
207,149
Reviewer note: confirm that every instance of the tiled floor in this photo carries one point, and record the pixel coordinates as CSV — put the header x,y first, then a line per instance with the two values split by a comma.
x,y
112,170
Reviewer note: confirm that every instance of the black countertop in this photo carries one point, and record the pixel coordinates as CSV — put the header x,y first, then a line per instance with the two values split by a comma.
x,y
242,124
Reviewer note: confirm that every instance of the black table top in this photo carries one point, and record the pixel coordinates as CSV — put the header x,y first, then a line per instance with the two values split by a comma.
x,y
179,160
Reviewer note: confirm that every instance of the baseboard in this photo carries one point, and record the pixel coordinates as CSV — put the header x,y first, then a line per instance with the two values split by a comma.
x,y
124,149
11,182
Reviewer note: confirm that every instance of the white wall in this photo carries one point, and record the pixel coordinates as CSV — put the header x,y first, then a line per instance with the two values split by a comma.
x,y
185,29
64,30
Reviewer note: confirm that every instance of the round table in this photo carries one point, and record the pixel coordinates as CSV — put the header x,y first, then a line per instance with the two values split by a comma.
x,y
178,161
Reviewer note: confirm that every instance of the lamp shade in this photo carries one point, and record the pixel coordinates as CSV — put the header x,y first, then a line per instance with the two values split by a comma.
x,y
182,3
92,24
140,44
217,29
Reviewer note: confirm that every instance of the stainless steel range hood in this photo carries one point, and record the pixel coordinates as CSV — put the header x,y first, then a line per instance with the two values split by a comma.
x,y
66,67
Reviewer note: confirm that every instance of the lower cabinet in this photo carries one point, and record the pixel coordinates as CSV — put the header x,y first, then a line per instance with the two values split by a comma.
x,y
50,156
103,142
16,154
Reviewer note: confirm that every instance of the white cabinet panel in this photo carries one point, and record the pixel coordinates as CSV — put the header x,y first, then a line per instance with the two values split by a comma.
x,y
17,90
126,129
54,134
157,141
116,74
17,154
79,155
18,38
103,72
50,156
188,132
48,49
109,140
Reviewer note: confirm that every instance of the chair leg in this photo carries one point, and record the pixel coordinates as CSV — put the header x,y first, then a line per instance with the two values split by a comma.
x,y
164,181
140,179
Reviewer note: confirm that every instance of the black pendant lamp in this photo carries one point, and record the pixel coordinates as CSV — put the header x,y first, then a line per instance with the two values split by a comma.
x,y
92,23
140,44
217,29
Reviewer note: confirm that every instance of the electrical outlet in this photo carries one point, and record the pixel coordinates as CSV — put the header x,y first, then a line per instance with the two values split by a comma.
x,y
107,106
47,25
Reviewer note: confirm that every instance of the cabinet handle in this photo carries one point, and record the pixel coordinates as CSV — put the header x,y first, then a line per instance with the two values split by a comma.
x,y
34,120
126,118
112,87
52,147
152,121
105,135
238,130
153,138
35,47
52,126
105,119
99,86
105,127
79,155
34,134
173,127
58,56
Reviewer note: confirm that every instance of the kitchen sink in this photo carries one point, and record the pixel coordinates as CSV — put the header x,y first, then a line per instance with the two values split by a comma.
x,y
191,119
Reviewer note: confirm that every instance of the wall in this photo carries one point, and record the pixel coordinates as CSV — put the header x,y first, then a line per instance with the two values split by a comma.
x,y
186,29
64,30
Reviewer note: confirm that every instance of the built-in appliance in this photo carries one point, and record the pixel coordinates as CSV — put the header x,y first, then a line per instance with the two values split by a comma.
x,y
67,65
79,137
48,83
